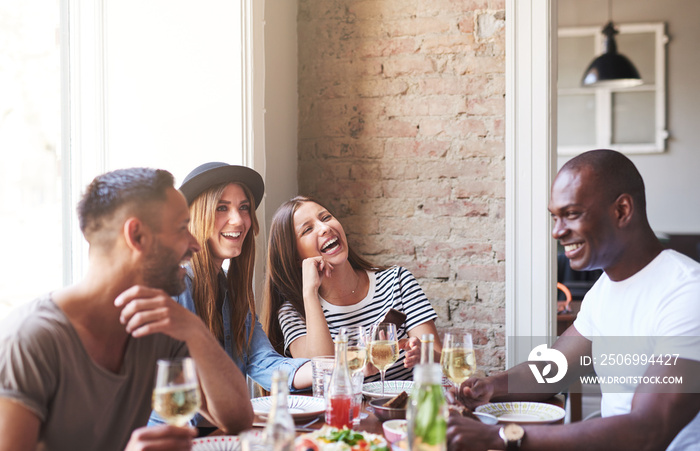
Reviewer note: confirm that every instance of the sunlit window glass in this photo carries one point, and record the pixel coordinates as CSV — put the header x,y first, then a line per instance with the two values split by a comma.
x,y
30,172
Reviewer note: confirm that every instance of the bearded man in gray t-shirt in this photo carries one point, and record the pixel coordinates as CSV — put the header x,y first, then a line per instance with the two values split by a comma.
x,y
77,365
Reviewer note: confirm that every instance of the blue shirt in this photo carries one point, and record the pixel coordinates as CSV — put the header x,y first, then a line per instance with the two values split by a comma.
x,y
258,361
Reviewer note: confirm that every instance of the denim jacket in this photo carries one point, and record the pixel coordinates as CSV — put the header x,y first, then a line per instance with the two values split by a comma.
x,y
258,361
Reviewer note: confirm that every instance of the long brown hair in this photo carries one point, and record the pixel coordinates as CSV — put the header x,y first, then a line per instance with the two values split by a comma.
x,y
206,287
283,281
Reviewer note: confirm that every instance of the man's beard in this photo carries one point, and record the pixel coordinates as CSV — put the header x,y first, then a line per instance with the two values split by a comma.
x,y
162,270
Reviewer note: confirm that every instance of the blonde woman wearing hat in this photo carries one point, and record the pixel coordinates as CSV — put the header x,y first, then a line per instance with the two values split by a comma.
x,y
222,199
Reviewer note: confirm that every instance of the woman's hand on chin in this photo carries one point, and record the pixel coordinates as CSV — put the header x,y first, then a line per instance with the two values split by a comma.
x,y
313,270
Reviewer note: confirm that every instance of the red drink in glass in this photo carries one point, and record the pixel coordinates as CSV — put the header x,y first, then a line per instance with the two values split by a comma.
x,y
339,411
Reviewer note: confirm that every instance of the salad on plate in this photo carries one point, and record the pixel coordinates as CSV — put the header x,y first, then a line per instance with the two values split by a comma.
x,y
332,439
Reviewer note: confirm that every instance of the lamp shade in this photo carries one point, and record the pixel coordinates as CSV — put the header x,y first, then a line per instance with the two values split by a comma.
x,y
611,69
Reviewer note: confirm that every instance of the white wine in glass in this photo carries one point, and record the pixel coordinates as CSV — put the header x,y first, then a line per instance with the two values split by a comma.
x,y
357,347
357,357
457,360
383,348
176,396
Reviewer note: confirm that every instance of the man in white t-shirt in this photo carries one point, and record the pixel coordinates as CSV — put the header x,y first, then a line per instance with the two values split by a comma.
x,y
639,327
77,366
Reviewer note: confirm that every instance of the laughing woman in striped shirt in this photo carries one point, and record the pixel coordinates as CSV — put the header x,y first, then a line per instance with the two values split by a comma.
x,y
316,284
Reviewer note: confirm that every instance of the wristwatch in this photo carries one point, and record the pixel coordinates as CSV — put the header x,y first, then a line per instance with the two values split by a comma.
x,y
512,435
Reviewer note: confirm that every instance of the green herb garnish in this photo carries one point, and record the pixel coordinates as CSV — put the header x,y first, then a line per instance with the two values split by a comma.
x,y
346,436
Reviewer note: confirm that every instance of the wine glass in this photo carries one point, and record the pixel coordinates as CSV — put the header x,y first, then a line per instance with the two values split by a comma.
x,y
176,395
457,360
383,348
357,358
357,347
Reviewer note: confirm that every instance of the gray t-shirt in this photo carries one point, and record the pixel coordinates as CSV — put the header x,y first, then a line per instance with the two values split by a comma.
x,y
81,406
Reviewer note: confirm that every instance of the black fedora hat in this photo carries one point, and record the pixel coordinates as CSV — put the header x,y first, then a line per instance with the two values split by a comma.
x,y
207,175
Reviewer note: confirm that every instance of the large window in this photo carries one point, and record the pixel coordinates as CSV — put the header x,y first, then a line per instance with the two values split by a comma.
x,y
631,120
173,84
30,172
89,86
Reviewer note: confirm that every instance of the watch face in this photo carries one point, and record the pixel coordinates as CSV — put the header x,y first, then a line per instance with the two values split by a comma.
x,y
513,432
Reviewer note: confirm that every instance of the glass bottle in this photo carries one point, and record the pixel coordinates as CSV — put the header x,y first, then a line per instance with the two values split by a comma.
x,y
426,348
279,431
427,410
339,391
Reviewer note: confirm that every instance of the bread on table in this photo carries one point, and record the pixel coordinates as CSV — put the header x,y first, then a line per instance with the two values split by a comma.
x,y
397,402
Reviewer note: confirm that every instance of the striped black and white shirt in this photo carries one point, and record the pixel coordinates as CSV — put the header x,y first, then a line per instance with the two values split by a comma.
x,y
394,287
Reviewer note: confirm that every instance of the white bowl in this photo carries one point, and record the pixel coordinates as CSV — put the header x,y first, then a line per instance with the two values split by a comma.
x,y
395,430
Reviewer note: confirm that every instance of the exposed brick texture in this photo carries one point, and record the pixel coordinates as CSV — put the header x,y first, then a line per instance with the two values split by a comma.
x,y
401,135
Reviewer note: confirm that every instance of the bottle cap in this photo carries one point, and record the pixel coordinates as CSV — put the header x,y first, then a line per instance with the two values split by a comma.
x,y
342,336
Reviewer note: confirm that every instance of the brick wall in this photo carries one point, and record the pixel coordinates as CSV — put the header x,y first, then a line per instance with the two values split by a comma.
x,y
401,135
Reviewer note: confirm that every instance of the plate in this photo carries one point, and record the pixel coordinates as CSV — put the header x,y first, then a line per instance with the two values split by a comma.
x,y
219,443
391,388
302,408
323,439
523,412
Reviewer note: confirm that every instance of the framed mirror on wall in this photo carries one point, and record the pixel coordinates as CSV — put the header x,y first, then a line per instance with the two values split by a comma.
x,y
631,120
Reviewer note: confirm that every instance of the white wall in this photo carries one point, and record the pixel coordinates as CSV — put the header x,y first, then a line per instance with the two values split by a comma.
x,y
281,112
672,178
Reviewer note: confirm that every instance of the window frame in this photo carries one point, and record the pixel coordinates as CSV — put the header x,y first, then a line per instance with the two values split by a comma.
x,y
530,152
84,114
604,95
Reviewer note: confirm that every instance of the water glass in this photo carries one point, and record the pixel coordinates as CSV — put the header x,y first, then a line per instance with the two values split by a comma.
x,y
255,440
358,380
321,366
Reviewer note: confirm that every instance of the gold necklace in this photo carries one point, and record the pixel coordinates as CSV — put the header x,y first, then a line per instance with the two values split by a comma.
x,y
359,277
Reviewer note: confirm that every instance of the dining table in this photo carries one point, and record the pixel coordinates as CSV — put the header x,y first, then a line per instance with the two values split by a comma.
x,y
368,423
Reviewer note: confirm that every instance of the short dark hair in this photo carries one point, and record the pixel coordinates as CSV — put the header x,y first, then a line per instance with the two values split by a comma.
x,y
614,173
112,190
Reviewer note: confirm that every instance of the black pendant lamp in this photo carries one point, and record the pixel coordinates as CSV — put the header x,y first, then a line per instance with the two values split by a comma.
x,y
611,69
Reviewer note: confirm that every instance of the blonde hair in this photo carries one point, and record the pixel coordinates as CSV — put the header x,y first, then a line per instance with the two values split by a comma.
x,y
207,291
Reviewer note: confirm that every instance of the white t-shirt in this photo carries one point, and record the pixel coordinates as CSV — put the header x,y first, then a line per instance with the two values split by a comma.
x,y
661,300
394,287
